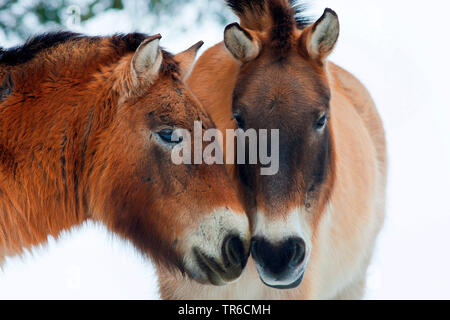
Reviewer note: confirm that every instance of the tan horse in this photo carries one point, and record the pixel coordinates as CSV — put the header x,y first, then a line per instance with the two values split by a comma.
x,y
315,222
86,128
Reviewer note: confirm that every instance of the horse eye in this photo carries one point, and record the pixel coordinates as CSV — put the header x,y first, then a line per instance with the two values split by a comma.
x,y
320,124
167,136
239,120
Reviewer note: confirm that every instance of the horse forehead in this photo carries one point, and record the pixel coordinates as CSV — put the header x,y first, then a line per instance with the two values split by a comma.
x,y
288,77
183,109
282,100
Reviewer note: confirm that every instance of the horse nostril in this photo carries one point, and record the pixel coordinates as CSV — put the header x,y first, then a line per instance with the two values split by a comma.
x,y
233,251
280,257
254,249
298,251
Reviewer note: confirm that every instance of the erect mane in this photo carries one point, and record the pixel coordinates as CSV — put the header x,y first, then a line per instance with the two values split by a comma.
x,y
251,12
23,53
279,16
120,44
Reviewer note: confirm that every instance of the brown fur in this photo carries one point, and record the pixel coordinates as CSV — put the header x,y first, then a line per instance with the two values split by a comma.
x,y
348,207
77,143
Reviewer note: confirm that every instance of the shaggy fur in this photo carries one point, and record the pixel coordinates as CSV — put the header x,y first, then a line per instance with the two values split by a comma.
x,y
78,143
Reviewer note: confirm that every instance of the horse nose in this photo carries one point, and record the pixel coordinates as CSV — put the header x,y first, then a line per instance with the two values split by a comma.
x,y
279,258
233,251
229,266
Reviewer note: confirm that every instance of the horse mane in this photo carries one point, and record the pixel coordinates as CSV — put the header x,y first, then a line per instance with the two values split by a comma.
x,y
118,44
23,53
279,16
252,12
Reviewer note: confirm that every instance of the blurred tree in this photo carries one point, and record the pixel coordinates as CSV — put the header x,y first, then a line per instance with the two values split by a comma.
x,y
19,18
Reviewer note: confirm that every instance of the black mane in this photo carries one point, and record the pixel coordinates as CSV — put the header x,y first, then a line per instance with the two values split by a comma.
x,y
301,19
23,53
123,43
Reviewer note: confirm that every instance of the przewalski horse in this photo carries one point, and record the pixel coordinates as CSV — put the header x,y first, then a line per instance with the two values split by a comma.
x,y
85,133
315,222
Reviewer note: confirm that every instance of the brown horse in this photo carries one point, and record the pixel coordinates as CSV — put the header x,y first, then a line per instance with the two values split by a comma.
x,y
315,222
86,127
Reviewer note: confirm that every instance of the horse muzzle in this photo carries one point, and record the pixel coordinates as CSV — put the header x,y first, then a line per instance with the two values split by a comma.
x,y
226,268
282,264
218,249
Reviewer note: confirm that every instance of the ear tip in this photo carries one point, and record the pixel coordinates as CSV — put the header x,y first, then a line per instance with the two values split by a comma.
x,y
236,29
330,11
156,37
232,25
199,44
195,47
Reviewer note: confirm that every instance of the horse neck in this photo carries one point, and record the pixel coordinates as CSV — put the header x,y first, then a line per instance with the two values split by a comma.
x,y
46,151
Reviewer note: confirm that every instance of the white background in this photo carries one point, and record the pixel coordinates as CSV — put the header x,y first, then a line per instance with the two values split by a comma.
x,y
399,49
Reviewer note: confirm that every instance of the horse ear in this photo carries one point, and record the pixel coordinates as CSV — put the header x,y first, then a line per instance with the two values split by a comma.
x,y
186,59
319,39
146,62
241,43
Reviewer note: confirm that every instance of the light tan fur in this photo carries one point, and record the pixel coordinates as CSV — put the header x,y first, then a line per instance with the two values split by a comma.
x,y
345,234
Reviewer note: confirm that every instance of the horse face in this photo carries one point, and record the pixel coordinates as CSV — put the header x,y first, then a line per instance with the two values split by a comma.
x,y
187,216
283,85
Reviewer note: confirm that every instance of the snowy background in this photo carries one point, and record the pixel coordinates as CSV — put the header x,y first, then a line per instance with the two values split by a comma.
x,y
399,49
